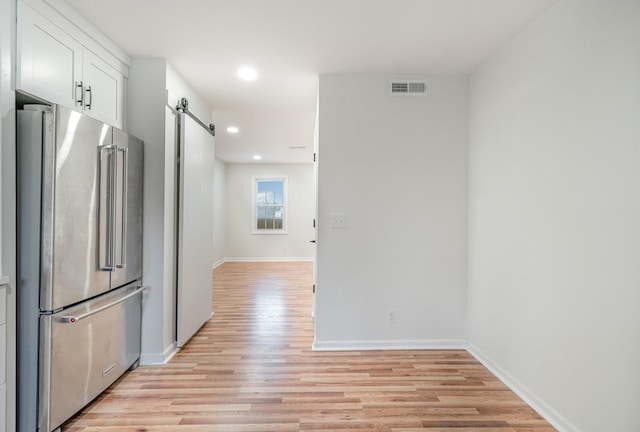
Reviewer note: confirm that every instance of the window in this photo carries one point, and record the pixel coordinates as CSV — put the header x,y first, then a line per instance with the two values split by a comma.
x,y
270,200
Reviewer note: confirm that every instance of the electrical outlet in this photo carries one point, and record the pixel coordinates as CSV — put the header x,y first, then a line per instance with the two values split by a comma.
x,y
391,318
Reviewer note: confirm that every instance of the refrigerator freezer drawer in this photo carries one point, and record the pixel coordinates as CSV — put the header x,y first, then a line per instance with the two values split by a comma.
x,y
87,348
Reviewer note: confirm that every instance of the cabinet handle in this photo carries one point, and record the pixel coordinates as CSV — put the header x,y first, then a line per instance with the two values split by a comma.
x,y
79,99
90,98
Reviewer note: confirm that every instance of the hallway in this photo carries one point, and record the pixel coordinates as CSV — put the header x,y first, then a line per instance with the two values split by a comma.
x,y
251,368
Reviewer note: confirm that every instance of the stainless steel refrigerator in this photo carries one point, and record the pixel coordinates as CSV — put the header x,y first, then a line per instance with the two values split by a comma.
x,y
79,261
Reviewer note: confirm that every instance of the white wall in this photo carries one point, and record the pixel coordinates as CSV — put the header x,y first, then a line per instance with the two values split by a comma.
x,y
397,167
146,98
8,198
241,243
153,92
554,211
179,88
219,212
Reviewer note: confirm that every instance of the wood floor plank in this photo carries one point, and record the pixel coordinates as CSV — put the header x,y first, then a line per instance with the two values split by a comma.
x,y
251,369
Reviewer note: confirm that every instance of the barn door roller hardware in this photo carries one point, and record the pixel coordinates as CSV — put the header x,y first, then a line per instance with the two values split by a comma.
x,y
183,107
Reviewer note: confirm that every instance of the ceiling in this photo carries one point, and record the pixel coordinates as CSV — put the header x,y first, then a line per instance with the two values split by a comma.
x,y
291,42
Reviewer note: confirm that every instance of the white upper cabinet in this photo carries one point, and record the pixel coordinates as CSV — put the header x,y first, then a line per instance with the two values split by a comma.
x,y
57,62
50,60
103,90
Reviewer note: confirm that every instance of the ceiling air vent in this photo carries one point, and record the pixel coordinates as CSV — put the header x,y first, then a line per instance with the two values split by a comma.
x,y
407,88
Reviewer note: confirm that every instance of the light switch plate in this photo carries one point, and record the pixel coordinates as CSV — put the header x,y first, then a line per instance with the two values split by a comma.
x,y
338,220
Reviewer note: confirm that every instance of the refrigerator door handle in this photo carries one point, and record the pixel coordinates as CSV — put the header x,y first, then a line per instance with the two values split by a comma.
x,y
125,185
112,196
71,319
108,238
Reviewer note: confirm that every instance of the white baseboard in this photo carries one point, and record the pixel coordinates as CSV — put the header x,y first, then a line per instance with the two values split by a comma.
x,y
155,359
423,344
268,259
551,415
218,263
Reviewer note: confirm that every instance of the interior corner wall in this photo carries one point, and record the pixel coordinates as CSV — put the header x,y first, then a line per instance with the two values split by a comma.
x,y
554,211
219,212
146,100
396,167
176,87
242,245
179,88
8,206
154,89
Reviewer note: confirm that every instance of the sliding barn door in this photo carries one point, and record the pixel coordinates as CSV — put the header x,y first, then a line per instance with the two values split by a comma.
x,y
195,228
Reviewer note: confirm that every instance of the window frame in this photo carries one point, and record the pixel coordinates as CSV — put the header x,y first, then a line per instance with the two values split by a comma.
x,y
285,206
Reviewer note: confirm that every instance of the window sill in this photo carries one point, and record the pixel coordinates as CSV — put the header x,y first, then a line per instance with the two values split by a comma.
x,y
269,232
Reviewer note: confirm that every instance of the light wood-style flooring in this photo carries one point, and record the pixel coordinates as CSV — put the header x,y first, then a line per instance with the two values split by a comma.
x,y
251,368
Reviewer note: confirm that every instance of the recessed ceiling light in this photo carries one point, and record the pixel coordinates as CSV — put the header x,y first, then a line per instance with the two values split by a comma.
x,y
232,129
247,73
257,157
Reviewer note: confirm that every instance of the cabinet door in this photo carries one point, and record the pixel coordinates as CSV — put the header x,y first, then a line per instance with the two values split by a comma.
x,y
104,90
50,61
